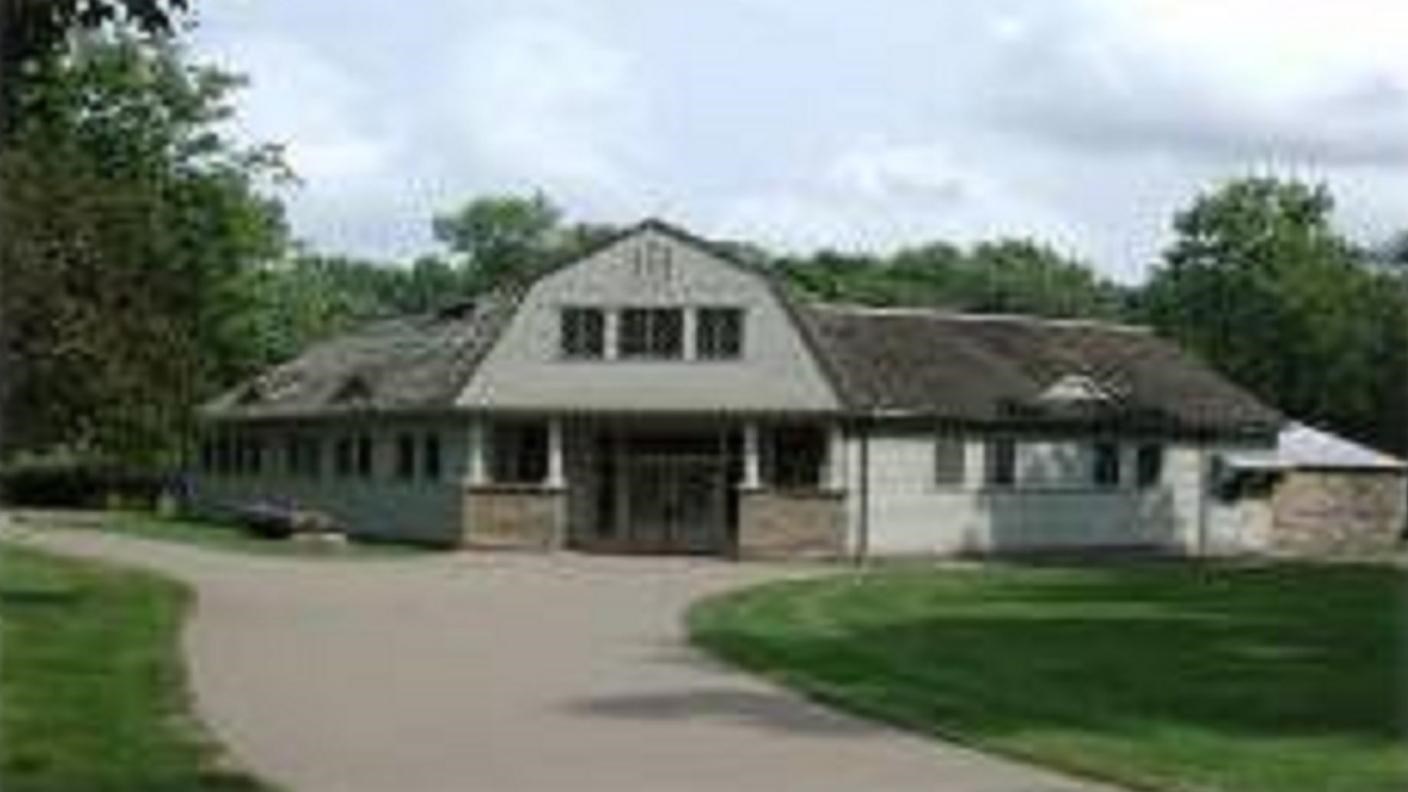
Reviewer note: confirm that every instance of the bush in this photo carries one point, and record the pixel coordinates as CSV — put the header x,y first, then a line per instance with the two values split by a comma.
x,y
78,485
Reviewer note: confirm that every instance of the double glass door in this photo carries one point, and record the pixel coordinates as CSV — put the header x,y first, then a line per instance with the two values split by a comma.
x,y
675,502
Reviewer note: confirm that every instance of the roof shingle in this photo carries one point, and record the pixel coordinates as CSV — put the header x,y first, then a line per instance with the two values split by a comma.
x,y
980,368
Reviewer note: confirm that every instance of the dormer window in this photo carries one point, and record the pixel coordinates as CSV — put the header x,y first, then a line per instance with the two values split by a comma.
x,y
353,389
1075,388
719,334
583,333
656,333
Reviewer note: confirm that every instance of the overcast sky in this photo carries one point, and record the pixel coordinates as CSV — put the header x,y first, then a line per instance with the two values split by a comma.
x,y
802,123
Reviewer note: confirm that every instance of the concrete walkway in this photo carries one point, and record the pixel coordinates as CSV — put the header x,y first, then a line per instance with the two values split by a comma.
x,y
508,672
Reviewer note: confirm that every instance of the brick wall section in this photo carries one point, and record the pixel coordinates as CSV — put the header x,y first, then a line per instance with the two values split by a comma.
x,y
513,517
791,524
1338,513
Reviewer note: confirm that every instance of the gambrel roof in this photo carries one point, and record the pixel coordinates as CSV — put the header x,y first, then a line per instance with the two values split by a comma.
x,y
994,370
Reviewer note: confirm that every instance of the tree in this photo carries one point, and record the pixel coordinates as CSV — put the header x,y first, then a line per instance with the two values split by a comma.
x,y
1023,276
32,31
1002,276
1259,283
132,232
495,238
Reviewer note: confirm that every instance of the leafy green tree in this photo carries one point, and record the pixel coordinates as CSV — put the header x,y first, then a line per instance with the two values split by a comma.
x,y
1003,276
1258,281
1022,276
32,31
496,238
1393,254
131,229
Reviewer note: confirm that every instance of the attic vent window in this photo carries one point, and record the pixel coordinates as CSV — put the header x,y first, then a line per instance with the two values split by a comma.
x,y
652,263
1075,388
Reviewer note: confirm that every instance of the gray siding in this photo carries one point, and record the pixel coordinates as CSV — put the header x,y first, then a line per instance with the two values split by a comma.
x,y
524,370
1053,506
382,506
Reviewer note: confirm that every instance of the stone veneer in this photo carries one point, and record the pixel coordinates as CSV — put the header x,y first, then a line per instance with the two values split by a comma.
x,y
514,516
791,523
1338,513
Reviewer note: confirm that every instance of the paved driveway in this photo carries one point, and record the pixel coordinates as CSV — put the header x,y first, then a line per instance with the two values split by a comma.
x,y
509,672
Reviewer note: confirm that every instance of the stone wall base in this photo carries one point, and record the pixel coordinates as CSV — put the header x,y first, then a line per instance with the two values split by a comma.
x,y
516,517
791,524
1338,513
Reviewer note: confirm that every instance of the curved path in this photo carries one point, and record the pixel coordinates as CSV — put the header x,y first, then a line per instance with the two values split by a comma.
x,y
508,672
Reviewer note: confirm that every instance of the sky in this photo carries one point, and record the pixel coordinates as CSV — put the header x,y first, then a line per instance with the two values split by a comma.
x,y
801,124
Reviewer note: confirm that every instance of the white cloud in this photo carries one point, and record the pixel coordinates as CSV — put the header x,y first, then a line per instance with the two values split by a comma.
x,y
1230,81
302,98
1086,122
541,103
876,194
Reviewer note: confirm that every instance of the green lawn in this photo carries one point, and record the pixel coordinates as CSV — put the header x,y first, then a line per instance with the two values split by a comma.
x,y
215,535
92,687
1163,676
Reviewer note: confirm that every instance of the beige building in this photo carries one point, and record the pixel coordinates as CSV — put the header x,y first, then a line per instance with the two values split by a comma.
x,y
659,395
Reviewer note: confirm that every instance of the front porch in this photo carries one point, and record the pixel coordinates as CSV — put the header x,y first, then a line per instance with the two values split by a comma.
x,y
634,484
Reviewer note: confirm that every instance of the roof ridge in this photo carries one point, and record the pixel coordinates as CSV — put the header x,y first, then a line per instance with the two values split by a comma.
x,y
968,316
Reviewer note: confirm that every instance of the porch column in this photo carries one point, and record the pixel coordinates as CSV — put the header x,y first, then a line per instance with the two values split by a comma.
x,y
556,483
476,452
610,330
555,478
687,334
752,478
835,459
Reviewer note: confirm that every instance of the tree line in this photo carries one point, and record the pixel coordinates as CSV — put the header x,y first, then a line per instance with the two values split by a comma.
x,y
145,262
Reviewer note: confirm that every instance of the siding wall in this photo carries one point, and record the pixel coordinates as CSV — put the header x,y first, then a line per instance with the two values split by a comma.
x,y
1054,506
382,506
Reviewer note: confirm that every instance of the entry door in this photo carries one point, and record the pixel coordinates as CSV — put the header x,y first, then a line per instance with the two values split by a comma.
x,y
676,503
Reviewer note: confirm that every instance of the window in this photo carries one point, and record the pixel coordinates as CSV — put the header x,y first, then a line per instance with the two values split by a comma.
x,y
1002,462
430,456
949,469
405,456
304,456
719,334
1150,464
342,456
651,333
1105,464
795,456
254,456
207,455
222,455
583,333
313,455
519,452
364,456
